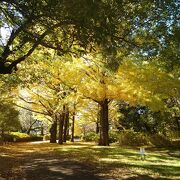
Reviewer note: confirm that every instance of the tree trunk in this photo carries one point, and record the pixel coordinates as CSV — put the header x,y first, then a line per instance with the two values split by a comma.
x,y
42,131
72,127
61,124
73,122
84,131
97,121
66,123
28,131
67,131
104,124
2,135
53,131
97,127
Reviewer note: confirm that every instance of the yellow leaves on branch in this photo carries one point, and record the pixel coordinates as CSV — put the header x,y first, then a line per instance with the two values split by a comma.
x,y
149,84
144,84
134,82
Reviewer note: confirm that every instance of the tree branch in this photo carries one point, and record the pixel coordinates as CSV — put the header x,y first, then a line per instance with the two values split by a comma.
x,y
43,113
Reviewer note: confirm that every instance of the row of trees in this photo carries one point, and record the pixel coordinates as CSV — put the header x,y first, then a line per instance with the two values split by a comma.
x,y
102,51
58,85
53,91
146,28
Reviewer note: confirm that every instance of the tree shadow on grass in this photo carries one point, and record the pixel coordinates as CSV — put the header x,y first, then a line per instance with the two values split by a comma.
x,y
83,161
48,168
145,171
113,158
9,168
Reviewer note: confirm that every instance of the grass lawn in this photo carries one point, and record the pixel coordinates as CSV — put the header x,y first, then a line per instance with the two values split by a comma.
x,y
82,160
125,162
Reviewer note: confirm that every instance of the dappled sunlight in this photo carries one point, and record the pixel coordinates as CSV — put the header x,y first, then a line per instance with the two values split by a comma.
x,y
61,170
56,168
103,147
89,89
75,146
39,142
71,158
5,155
108,160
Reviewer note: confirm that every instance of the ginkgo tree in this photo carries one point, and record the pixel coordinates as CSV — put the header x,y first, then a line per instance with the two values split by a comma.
x,y
48,102
135,82
50,96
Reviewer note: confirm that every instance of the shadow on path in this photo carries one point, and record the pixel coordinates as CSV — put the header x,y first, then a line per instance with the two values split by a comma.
x,y
43,168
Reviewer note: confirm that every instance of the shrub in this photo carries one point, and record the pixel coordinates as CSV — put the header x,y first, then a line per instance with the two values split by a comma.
x,y
21,137
159,140
176,143
68,137
131,138
35,138
113,136
46,137
91,136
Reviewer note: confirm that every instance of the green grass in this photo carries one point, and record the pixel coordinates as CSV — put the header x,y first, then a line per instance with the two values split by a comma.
x,y
121,161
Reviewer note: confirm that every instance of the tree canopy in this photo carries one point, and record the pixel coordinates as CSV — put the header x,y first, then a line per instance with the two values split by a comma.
x,y
147,28
99,50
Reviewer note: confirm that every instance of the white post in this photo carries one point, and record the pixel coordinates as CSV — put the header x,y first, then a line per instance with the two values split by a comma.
x,y
142,153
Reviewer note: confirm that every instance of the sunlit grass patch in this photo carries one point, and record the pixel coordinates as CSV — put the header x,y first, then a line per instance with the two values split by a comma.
x,y
156,164
118,162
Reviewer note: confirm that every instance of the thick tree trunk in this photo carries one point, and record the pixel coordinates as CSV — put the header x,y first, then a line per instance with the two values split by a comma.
x,y
72,127
53,131
66,123
61,125
104,124
67,131
97,127
97,121
73,122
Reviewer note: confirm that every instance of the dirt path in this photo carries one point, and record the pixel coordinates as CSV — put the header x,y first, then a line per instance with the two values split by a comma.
x,y
40,161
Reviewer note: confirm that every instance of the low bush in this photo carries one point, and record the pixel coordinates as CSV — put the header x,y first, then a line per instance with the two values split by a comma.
x,y
176,143
46,137
91,136
113,136
36,138
21,137
68,137
131,138
159,140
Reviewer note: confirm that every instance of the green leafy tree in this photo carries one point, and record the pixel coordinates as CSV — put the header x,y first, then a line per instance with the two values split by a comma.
x,y
147,28
142,119
9,120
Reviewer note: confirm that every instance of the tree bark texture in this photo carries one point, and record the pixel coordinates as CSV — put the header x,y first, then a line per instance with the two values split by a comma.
x,y
104,123
66,124
61,124
97,127
72,127
53,131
